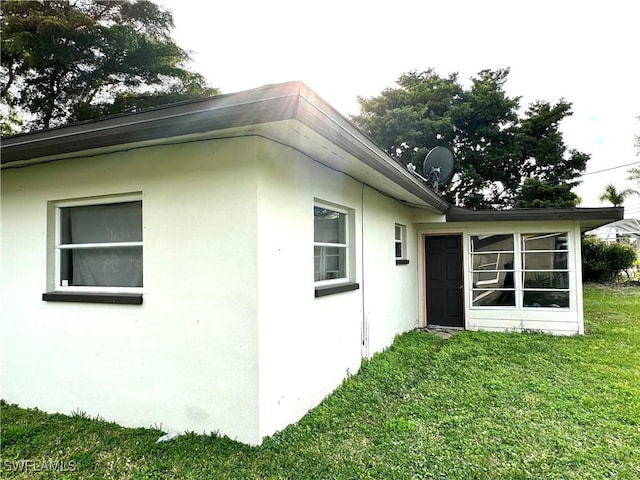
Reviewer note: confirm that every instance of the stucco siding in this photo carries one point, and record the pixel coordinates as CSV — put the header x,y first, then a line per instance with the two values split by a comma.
x,y
390,290
186,358
309,345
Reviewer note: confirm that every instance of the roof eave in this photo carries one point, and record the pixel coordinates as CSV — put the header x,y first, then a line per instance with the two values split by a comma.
x,y
271,103
319,115
216,113
589,218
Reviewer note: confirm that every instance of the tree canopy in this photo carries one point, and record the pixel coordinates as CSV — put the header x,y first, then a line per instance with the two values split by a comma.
x,y
496,147
534,193
64,62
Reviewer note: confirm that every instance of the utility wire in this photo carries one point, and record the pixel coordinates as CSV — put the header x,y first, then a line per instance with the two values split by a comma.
x,y
610,168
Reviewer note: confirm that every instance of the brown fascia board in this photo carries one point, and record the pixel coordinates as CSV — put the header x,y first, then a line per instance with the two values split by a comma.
x,y
589,218
271,103
320,116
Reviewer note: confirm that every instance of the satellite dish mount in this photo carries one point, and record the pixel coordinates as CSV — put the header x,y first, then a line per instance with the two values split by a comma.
x,y
438,167
434,177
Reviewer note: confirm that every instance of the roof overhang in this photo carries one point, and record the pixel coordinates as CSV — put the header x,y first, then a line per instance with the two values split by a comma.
x,y
261,111
589,218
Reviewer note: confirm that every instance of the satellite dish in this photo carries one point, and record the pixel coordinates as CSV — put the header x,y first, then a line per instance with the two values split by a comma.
x,y
438,166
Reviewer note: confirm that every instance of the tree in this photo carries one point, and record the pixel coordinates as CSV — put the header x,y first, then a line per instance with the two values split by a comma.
x,y
536,194
634,173
64,62
10,121
496,148
615,197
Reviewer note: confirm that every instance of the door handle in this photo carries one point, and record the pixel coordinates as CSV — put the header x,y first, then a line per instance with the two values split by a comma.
x,y
460,287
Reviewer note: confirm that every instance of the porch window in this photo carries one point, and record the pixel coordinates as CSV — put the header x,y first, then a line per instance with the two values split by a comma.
x,y
493,270
545,269
528,270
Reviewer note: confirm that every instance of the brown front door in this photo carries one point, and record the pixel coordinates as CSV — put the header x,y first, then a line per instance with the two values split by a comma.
x,y
444,284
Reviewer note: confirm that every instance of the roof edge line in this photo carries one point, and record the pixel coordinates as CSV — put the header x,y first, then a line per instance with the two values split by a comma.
x,y
438,202
139,122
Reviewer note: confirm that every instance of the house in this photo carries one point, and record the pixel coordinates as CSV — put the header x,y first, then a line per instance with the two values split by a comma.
x,y
222,265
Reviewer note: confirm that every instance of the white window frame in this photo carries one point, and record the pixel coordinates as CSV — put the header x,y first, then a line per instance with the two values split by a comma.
x,y
347,246
519,270
402,241
55,279
482,285
523,252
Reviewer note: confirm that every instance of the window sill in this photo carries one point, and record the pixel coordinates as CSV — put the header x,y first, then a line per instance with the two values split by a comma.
x,y
86,297
402,261
333,289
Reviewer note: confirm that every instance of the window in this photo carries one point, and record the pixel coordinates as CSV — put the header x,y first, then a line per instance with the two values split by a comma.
x,y
401,244
330,247
520,270
98,245
333,256
492,270
545,270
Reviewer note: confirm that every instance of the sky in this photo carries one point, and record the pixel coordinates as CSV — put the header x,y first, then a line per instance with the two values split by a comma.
x,y
585,52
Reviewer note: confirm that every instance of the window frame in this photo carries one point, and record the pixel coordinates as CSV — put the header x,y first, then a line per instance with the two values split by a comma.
x,y
519,270
498,270
57,247
346,245
523,253
402,241
324,288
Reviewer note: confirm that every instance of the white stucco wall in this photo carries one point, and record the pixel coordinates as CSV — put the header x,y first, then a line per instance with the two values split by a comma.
x,y
186,358
309,345
391,291
559,321
230,336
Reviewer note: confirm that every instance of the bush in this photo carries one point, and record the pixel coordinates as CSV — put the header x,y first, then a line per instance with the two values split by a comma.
x,y
602,261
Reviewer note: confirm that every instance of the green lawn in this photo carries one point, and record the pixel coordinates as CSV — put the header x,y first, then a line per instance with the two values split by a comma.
x,y
475,406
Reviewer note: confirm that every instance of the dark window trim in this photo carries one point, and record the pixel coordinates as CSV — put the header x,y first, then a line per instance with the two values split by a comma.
x,y
332,289
77,297
402,261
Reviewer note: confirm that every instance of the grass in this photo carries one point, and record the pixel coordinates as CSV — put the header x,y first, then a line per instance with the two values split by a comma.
x,y
475,406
